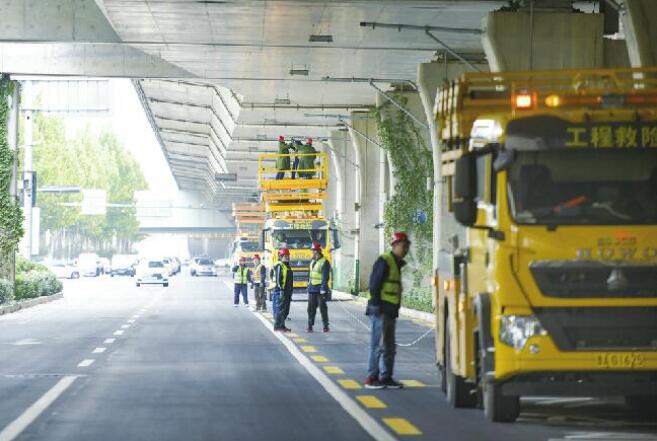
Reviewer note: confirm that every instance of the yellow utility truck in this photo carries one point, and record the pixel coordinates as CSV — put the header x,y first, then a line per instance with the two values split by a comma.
x,y
547,279
294,212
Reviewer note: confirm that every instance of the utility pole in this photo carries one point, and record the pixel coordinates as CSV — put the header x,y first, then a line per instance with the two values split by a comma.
x,y
26,249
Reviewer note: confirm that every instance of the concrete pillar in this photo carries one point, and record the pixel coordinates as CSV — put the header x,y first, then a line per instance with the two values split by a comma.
x,y
366,153
343,159
543,39
641,32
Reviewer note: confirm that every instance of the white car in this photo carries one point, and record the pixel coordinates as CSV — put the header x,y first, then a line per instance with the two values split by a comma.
x,y
88,264
202,266
64,270
152,272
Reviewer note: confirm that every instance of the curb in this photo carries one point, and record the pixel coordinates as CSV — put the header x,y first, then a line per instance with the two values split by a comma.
x,y
13,307
412,313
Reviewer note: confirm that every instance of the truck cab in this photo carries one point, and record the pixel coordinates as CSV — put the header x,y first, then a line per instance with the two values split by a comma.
x,y
548,261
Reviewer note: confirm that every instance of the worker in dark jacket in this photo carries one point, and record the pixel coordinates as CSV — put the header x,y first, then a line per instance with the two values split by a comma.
x,y
283,282
282,161
319,275
307,159
259,278
241,278
383,309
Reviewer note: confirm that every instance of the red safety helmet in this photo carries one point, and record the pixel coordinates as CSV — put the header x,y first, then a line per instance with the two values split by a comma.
x,y
399,236
316,247
242,259
283,252
281,138
256,256
309,141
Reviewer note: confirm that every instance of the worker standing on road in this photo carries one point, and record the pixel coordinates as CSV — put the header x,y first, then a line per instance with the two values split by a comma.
x,y
383,310
319,275
259,282
241,277
282,293
282,162
307,159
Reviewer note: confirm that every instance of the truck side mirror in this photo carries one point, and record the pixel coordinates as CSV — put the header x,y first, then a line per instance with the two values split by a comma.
x,y
465,190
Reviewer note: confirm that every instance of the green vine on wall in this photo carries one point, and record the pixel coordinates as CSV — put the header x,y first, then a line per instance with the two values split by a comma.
x,y
11,216
412,165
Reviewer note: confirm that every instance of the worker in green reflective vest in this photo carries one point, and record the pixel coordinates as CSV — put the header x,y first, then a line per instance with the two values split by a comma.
x,y
241,278
319,275
385,291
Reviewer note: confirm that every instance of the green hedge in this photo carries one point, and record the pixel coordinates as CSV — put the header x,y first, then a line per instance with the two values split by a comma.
x,y
24,265
6,291
36,284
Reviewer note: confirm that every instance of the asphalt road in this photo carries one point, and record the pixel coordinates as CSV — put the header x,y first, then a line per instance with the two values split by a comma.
x,y
111,361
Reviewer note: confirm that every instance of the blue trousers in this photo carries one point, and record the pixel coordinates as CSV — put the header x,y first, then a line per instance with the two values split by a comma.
x,y
241,288
382,346
275,297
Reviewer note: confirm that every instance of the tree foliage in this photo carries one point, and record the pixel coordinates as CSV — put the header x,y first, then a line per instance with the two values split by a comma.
x,y
89,162
11,218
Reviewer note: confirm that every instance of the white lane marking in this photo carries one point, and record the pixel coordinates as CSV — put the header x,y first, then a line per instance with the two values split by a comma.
x,y
26,342
131,320
86,363
16,427
366,421
119,332
136,316
109,341
99,350
125,326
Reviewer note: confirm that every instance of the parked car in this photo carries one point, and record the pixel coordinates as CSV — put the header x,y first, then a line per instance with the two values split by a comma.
x,y
104,265
64,271
202,266
123,265
172,264
88,264
177,264
152,272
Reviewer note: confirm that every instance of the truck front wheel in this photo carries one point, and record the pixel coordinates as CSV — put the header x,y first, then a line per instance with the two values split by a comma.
x,y
499,408
459,393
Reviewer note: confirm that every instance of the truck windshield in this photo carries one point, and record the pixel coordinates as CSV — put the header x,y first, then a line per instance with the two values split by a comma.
x,y
298,239
249,247
584,187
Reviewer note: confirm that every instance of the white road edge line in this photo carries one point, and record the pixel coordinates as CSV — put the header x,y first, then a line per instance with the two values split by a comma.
x,y
16,427
366,421
86,363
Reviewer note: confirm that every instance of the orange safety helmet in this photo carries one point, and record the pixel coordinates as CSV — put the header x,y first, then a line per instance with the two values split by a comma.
x,y
399,236
283,252
316,247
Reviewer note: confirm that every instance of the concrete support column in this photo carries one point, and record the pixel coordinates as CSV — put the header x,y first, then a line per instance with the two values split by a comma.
x,y
641,32
539,38
345,166
366,245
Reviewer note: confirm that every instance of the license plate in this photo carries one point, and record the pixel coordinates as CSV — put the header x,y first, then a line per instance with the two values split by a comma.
x,y
620,360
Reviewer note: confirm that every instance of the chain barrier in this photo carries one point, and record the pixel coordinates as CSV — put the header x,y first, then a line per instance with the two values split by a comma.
x,y
367,327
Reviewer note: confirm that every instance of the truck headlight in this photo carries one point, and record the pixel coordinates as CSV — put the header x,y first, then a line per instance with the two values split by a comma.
x,y
515,330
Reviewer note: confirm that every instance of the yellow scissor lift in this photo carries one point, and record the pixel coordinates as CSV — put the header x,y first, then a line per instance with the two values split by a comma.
x,y
294,212
304,195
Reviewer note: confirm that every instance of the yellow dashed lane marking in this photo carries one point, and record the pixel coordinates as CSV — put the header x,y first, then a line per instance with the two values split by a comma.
x,y
308,348
413,383
333,370
350,384
371,402
300,340
292,335
402,426
319,358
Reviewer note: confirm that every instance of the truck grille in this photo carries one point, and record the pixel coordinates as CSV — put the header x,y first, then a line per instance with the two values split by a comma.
x,y
587,329
589,279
